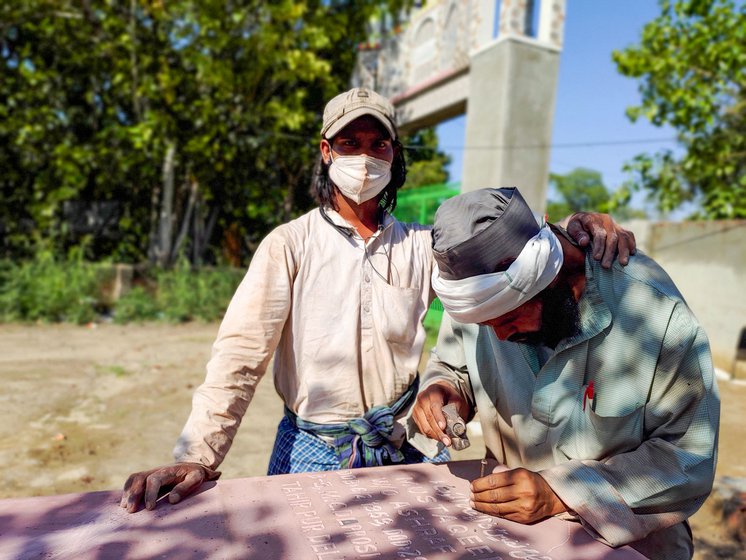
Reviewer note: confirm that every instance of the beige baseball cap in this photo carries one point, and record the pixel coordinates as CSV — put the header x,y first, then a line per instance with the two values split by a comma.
x,y
353,104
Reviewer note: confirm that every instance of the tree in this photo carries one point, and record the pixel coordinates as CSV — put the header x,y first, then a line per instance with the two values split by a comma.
x,y
580,190
146,129
426,165
691,63
583,190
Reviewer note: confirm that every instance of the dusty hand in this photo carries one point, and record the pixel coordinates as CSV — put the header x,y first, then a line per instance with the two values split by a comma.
x,y
605,236
428,410
519,495
182,478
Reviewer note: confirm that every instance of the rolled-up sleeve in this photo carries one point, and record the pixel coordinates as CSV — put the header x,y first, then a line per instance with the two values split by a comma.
x,y
246,341
447,362
667,478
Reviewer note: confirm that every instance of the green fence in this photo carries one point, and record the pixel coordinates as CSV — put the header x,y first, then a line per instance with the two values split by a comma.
x,y
419,205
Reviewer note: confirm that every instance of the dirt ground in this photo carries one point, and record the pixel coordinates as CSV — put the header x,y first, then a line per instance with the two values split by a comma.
x,y
83,407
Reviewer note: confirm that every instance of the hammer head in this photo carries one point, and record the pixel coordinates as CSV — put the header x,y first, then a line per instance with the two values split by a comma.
x,y
455,428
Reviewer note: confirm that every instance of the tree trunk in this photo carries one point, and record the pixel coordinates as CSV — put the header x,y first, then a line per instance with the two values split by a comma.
x,y
155,196
198,228
165,225
207,234
187,218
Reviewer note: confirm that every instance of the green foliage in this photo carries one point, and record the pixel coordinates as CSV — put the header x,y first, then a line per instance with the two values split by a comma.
x,y
556,211
49,289
426,165
691,63
137,305
583,190
184,294
154,127
180,294
69,290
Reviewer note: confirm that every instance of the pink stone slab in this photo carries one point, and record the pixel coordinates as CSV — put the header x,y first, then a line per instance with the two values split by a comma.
x,y
412,511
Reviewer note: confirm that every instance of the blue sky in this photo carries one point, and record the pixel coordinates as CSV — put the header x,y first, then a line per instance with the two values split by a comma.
x,y
592,96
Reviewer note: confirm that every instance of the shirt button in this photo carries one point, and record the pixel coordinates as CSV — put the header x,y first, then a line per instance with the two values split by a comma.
x,y
367,278
366,309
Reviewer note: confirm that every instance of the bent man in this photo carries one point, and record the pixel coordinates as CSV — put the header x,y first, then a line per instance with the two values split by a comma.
x,y
594,386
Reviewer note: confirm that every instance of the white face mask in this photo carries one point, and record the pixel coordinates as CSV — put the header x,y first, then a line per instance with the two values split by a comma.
x,y
360,177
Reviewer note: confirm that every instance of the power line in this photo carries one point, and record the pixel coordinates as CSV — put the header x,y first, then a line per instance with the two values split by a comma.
x,y
614,143
560,145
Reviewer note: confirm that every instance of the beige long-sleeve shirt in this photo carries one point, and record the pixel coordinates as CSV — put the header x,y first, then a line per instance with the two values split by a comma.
x,y
637,459
342,317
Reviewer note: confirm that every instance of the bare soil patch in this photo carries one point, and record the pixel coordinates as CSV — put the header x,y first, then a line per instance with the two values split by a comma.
x,y
83,407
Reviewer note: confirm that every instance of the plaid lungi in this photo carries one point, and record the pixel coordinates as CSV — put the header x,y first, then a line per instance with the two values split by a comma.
x,y
362,442
298,451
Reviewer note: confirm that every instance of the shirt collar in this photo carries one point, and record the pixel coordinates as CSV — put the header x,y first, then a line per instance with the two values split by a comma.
x,y
344,227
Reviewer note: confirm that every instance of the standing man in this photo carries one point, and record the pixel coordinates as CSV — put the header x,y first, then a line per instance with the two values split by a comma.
x,y
594,386
338,297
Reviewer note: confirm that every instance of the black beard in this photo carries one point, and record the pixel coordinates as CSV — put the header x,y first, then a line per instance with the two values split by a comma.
x,y
560,318
560,315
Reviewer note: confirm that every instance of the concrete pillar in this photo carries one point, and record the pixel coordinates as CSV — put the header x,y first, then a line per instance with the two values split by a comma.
x,y
510,111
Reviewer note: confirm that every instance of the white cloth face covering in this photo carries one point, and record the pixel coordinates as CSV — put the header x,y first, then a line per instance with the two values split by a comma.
x,y
478,299
360,177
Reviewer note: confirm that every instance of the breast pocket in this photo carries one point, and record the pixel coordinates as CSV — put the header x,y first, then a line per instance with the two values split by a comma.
x,y
396,312
591,435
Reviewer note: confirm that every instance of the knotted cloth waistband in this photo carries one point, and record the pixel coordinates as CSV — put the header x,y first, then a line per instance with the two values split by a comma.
x,y
365,441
